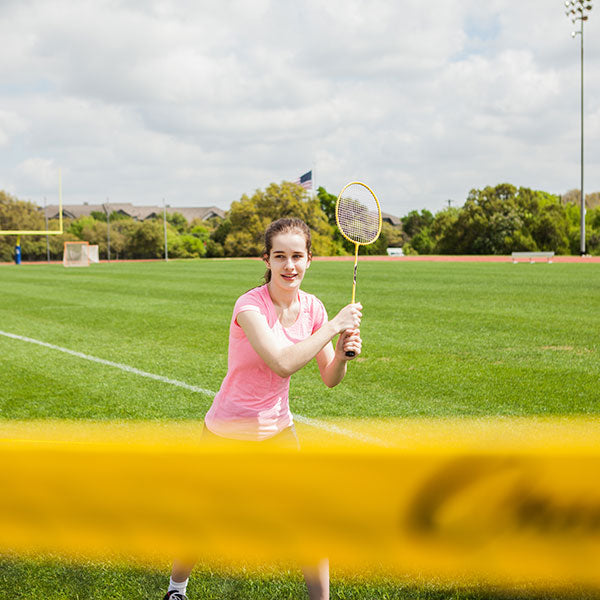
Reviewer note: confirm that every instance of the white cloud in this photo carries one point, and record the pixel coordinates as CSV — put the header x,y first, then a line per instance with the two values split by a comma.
x,y
200,102
11,125
41,172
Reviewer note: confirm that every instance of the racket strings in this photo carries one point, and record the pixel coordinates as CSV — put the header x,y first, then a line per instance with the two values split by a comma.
x,y
358,218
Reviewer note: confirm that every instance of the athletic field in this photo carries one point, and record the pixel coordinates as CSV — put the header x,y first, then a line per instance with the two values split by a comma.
x,y
148,341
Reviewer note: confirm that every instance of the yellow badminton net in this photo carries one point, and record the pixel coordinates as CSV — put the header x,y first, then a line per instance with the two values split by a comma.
x,y
498,501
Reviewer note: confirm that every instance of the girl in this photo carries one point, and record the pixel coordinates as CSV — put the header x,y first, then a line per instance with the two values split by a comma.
x,y
275,330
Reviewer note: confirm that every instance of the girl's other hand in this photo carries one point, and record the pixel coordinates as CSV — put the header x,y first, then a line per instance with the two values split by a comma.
x,y
349,340
348,318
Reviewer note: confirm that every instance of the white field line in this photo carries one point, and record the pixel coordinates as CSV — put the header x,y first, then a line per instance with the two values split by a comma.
x,y
110,363
325,426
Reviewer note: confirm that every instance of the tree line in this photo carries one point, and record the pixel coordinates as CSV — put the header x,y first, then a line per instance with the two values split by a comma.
x,y
240,233
494,220
504,219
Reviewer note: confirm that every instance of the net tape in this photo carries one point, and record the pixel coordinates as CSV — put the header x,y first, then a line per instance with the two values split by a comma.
x,y
358,214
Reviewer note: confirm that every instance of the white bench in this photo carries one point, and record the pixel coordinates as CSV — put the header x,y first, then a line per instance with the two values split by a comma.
x,y
531,256
395,252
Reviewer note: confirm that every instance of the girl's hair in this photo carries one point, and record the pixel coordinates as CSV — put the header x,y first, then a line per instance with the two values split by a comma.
x,y
284,226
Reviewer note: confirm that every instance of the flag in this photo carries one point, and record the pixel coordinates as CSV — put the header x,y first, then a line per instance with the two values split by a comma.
x,y
305,180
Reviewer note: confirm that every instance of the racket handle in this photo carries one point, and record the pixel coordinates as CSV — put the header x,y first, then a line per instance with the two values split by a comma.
x,y
351,352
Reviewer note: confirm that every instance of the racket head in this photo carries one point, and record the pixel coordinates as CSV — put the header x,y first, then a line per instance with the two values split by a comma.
x,y
358,213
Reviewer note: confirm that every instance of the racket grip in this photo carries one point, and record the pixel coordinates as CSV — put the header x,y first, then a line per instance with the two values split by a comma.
x,y
350,353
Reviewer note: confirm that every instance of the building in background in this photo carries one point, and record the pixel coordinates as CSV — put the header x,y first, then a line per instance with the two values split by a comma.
x,y
137,213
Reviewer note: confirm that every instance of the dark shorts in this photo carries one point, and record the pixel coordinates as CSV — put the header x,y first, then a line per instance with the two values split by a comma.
x,y
286,439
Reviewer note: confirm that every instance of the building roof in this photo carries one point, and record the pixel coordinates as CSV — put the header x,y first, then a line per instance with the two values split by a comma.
x,y
203,213
139,213
72,211
391,219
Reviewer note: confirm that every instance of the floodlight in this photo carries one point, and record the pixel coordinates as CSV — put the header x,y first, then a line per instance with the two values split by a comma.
x,y
576,12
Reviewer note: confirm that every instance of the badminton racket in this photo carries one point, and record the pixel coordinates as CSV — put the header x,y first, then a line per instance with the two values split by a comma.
x,y
358,217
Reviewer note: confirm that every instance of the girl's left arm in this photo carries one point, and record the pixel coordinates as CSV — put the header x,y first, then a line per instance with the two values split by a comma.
x,y
332,363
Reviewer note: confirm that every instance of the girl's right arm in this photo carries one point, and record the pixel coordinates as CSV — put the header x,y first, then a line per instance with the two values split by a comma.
x,y
286,360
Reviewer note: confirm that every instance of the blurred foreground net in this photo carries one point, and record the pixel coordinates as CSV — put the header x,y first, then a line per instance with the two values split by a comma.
x,y
503,502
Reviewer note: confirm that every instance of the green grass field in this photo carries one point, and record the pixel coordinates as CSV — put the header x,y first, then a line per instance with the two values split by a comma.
x,y
439,339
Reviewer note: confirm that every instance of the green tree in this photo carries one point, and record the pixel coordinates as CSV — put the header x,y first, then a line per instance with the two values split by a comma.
x,y
115,215
328,202
341,246
95,232
551,230
220,231
441,229
393,235
414,221
423,242
574,197
18,214
178,221
122,233
148,240
593,231
592,200
200,232
502,219
77,226
250,216
186,246
214,249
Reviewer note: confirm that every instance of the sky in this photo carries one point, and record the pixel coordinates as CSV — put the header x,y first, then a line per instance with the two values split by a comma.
x,y
197,102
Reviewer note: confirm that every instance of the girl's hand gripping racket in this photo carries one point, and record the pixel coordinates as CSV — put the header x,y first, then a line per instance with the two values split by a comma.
x,y
358,217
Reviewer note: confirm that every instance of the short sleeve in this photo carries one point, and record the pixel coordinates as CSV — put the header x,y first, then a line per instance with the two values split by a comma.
x,y
249,301
243,308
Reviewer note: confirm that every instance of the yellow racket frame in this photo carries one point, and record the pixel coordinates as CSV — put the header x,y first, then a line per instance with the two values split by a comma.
x,y
357,244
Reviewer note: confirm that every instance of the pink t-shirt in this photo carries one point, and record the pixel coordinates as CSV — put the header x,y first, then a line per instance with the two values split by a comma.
x,y
253,402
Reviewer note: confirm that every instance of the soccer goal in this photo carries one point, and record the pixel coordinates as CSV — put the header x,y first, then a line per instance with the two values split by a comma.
x,y
76,254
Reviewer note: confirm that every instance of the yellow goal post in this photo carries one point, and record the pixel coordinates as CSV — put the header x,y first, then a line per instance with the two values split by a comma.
x,y
58,231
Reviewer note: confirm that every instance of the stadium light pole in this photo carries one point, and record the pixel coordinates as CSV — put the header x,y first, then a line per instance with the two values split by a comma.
x,y
107,211
165,229
576,11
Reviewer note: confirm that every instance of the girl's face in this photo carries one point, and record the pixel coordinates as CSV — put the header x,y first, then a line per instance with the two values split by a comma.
x,y
288,260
